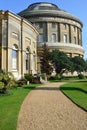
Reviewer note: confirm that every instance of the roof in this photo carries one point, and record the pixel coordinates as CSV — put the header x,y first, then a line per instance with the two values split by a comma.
x,y
46,9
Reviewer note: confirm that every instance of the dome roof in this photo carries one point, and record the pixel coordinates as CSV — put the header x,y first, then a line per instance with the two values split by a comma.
x,y
42,6
46,9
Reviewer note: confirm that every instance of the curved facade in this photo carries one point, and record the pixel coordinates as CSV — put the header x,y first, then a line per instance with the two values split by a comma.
x,y
57,28
18,45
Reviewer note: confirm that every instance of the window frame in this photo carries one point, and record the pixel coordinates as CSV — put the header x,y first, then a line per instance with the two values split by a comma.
x,y
53,37
65,38
14,57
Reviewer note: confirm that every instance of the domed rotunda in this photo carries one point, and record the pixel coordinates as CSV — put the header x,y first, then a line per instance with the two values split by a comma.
x,y
57,28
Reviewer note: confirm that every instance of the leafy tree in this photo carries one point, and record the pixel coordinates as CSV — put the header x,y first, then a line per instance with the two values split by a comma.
x,y
79,64
60,61
86,66
45,64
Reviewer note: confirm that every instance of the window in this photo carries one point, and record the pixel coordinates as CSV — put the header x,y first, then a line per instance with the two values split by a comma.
x,y
64,26
75,40
14,57
53,37
40,39
40,25
34,59
74,29
27,59
65,38
53,25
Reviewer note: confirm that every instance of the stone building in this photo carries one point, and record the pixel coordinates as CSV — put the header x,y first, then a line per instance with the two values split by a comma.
x,y
18,45
57,28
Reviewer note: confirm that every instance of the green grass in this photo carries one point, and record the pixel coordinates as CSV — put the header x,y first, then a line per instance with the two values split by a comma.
x,y
10,106
77,92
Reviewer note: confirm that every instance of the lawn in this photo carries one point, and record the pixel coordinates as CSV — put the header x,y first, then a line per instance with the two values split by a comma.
x,y
10,106
77,92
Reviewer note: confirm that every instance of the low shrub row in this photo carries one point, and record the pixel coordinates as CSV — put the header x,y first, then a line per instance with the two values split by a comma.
x,y
7,80
61,77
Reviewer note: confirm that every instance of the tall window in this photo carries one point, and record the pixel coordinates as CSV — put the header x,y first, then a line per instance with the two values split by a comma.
x,y
40,39
14,57
27,59
75,40
65,38
53,37
34,58
53,25
74,29
64,25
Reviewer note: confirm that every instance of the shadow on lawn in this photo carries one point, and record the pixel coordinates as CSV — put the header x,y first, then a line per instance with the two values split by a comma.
x,y
73,89
55,88
47,88
30,88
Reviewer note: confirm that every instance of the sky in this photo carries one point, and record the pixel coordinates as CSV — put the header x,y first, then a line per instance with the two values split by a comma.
x,y
75,7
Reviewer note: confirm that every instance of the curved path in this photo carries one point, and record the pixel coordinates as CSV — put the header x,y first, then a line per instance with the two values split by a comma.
x,y
46,108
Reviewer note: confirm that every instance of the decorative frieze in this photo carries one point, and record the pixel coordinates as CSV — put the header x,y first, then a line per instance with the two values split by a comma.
x,y
56,19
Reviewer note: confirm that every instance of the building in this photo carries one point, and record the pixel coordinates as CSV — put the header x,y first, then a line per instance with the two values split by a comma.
x,y
19,47
57,28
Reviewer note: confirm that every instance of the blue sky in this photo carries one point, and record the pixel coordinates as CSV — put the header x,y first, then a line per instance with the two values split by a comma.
x,y
76,7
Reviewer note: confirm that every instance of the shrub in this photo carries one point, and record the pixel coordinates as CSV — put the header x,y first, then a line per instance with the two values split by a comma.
x,y
28,77
21,82
81,76
36,80
7,79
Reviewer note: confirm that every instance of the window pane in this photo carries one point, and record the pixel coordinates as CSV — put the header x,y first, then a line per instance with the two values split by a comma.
x,y
27,61
75,40
65,38
64,26
53,37
40,38
40,25
53,25
14,59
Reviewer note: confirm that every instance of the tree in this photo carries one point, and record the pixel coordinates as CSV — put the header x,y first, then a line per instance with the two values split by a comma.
x,y
86,66
45,64
60,61
79,64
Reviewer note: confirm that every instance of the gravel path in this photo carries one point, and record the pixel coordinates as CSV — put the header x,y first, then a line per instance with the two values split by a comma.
x,y
46,108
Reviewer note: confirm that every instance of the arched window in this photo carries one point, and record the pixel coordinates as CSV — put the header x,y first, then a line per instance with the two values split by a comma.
x,y
14,57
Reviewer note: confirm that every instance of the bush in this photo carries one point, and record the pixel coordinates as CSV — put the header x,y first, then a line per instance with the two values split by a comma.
x,y
81,76
36,80
7,79
21,82
28,77
56,77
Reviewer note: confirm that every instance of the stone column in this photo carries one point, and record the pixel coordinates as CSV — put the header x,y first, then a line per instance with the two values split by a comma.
x,y
69,33
48,39
81,37
45,32
58,32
